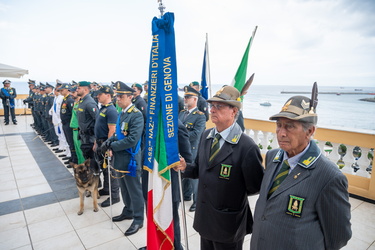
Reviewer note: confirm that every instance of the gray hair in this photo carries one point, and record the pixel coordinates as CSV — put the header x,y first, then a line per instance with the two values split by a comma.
x,y
307,125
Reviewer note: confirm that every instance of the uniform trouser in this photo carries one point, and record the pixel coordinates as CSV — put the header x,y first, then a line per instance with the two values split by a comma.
x,y
190,186
87,143
214,245
33,114
115,188
77,147
7,110
68,131
176,226
44,126
37,121
131,192
51,131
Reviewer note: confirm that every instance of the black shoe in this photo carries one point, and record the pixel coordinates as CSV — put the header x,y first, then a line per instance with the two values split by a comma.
x,y
193,207
54,145
65,158
142,248
187,198
122,217
56,149
59,151
133,229
69,166
15,123
7,123
66,162
102,192
106,202
62,155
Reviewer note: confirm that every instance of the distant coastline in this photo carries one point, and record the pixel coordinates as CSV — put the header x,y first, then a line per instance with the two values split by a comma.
x,y
330,93
368,99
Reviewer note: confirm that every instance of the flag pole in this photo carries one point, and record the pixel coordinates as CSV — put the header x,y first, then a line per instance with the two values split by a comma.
x,y
208,66
183,210
109,184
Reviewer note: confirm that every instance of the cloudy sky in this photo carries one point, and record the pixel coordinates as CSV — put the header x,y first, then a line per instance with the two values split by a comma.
x,y
297,41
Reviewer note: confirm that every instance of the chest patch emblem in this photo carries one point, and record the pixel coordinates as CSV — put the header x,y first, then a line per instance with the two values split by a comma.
x,y
295,206
225,171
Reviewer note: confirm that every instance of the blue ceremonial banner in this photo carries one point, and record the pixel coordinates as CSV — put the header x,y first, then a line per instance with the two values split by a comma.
x,y
162,96
204,90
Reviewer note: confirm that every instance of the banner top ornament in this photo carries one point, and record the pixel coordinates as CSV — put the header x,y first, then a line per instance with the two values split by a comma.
x,y
161,7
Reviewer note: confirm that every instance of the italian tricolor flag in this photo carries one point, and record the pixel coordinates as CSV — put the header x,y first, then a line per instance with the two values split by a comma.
x,y
159,212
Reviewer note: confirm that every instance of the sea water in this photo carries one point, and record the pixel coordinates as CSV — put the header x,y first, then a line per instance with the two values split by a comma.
x,y
343,111
337,110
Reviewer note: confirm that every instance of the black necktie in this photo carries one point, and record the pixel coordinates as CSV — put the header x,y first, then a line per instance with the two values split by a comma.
x,y
186,115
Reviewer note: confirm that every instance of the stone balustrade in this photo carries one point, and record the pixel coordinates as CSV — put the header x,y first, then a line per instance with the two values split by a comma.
x,y
356,163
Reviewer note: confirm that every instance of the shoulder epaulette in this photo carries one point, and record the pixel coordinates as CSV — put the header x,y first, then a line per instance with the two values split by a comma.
x,y
199,112
133,109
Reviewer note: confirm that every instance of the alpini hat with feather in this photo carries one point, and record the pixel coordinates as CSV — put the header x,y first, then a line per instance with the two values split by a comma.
x,y
227,94
300,108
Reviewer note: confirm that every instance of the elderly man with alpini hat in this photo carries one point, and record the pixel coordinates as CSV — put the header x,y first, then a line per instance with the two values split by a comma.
x,y
228,165
303,201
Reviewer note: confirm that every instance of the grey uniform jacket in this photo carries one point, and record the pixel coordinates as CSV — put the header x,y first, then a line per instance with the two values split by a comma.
x,y
132,121
195,123
310,209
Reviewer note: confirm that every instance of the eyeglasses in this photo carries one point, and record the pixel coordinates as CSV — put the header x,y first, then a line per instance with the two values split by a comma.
x,y
218,106
187,97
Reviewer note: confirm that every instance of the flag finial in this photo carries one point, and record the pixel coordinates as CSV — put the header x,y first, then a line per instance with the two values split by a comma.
x,y
161,7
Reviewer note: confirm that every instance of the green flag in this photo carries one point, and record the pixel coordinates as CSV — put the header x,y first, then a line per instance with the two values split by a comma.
x,y
240,77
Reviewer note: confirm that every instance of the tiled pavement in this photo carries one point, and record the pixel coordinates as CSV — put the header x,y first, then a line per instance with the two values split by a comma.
x,y
39,204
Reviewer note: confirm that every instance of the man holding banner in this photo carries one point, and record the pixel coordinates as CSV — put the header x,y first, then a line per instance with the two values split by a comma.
x,y
229,168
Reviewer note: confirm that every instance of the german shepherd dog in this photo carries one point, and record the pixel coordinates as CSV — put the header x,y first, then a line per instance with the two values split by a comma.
x,y
86,181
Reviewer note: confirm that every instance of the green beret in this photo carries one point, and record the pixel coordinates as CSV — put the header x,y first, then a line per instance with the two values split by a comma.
x,y
139,86
84,84
195,83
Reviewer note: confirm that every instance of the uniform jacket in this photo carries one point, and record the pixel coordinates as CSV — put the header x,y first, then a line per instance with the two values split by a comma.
x,y
29,99
310,209
55,110
184,151
48,105
133,128
86,114
195,123
223,213
141,105
66,109
202,106
11,91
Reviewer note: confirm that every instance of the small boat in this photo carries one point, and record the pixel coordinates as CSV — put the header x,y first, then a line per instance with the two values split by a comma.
x,y
357,89
338,93
267,104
